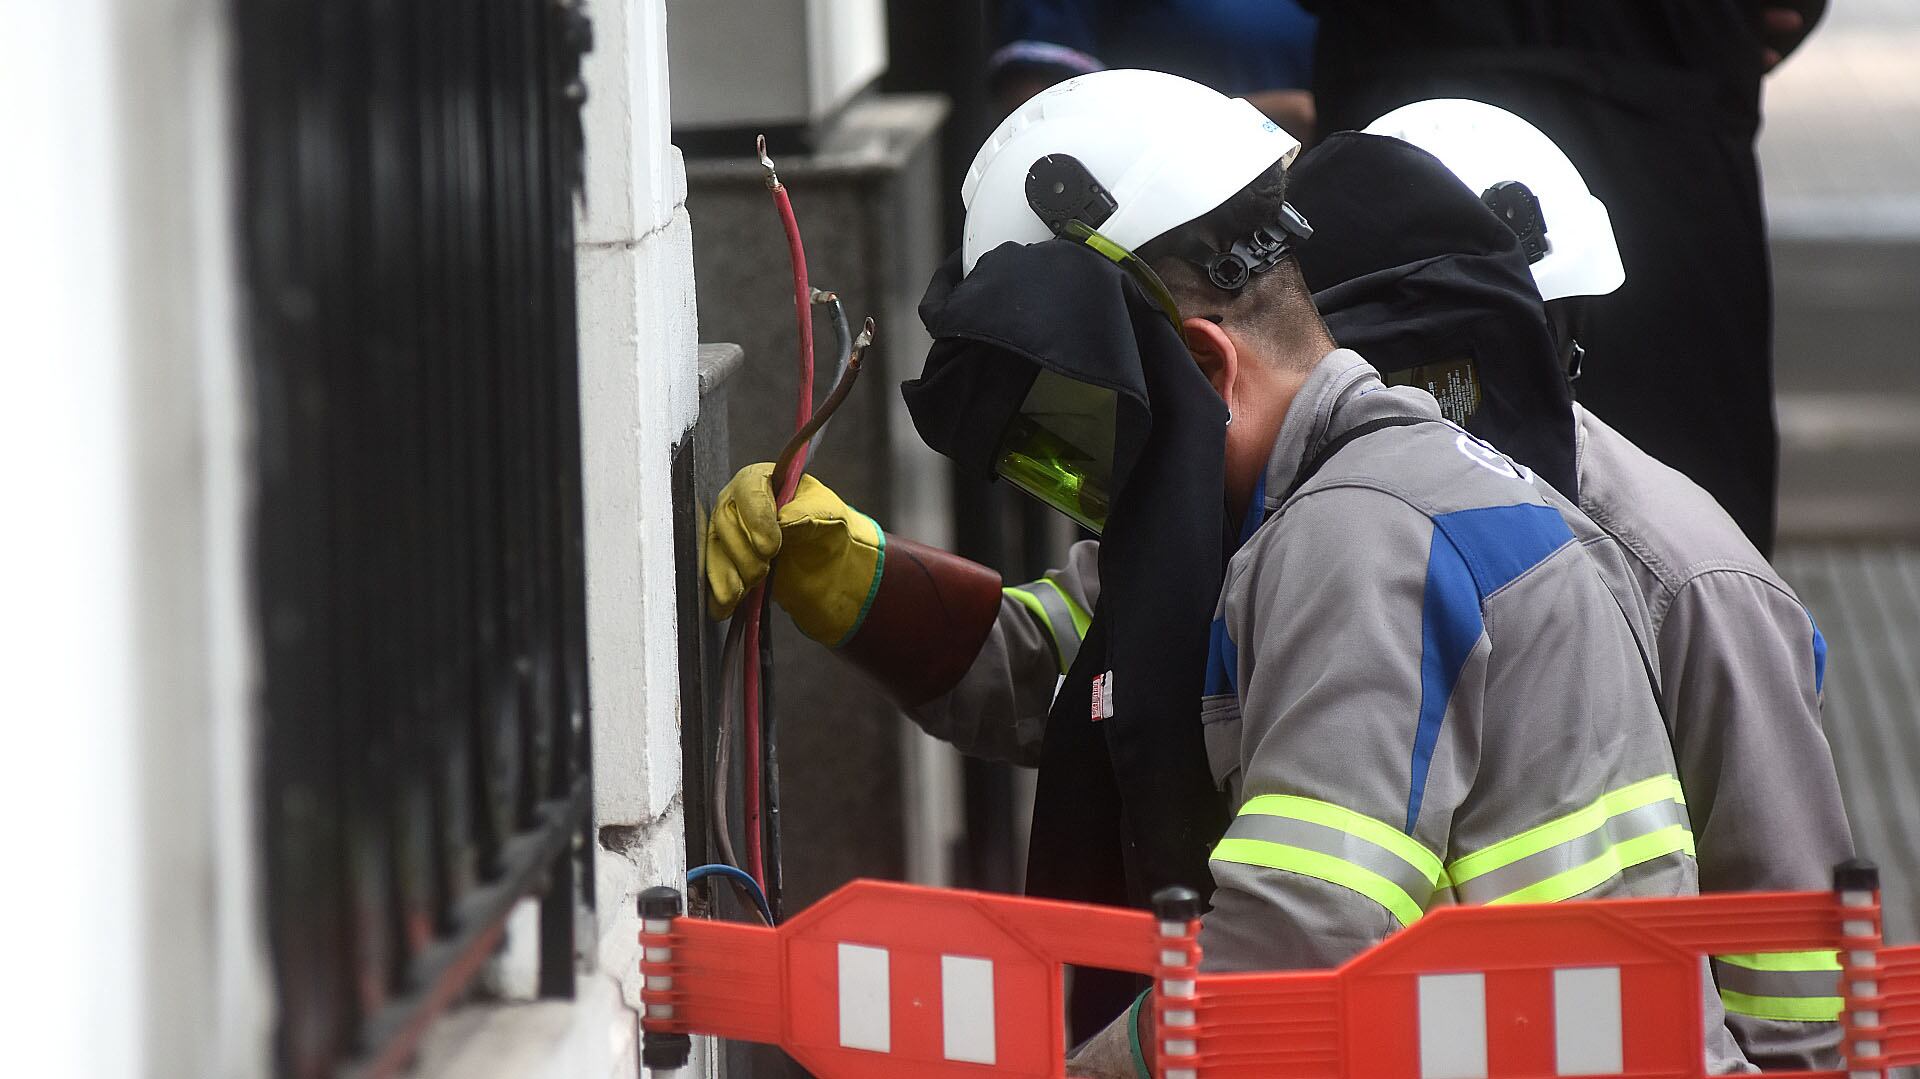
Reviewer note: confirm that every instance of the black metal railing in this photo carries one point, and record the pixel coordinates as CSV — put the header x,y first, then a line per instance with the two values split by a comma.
x,y
407,175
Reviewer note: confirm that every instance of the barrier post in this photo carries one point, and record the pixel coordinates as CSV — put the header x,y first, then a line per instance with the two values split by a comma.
x,y
660,1051
1175,992
1856,885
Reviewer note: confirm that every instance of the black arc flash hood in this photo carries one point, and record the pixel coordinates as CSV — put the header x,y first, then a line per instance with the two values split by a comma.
x,y
1410,269
1126,805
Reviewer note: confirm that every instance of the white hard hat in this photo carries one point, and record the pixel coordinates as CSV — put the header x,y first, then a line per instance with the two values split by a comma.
x,y
1484,146
1166,148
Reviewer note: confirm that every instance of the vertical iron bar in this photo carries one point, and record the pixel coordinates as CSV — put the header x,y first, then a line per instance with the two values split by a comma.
x,y
359,497
304,866
557,930
447,416
398,462
493,678
564,36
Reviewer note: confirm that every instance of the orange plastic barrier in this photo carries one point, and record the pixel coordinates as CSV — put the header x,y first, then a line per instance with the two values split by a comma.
x,y
1900,1003
886,979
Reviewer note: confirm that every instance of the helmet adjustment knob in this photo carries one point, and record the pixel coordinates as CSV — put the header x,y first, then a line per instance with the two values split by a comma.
x,y
1228,272
1515,204
1061,189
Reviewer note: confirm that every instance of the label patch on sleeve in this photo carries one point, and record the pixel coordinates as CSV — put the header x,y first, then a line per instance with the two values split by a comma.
x,y
1102,697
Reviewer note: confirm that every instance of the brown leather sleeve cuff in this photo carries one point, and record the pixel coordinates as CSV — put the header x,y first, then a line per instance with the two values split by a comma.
x,y
931,612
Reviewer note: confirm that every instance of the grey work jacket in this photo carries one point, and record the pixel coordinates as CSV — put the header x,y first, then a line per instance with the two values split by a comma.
x,y
1422,671
1741,671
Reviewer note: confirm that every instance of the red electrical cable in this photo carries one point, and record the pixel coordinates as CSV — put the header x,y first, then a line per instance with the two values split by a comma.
x,y
750,721
751,605
802,314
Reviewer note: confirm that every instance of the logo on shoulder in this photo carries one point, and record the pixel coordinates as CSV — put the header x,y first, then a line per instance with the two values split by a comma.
x,y
1483,454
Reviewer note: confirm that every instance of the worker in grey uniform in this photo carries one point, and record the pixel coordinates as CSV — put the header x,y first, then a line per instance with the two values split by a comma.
x,y
1426,285
1416,688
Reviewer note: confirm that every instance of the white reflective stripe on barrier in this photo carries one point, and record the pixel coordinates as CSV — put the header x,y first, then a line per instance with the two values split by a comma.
x,y
1453,1026
1586,1021
966,1008
866,1019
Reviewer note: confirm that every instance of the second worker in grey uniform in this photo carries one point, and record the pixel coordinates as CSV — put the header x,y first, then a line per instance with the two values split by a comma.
x,y
1418,687
1416,284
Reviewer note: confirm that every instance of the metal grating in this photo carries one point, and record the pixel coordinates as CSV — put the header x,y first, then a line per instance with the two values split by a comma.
x,y
1867,601
407,178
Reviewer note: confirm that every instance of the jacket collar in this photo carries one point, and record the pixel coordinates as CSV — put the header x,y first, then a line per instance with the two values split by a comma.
x,y
1310,422
1342,392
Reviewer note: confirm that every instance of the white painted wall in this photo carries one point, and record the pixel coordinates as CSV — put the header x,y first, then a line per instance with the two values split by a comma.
x,y
639,396
66,655
773,63
124,664
133,928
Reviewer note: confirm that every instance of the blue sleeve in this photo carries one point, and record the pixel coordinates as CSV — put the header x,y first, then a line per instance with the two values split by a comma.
x,y
1059,35
1057,22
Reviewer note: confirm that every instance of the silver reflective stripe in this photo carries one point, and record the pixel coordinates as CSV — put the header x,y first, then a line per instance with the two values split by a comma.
x,y
1571,854
1059,620
1776,983
1335,843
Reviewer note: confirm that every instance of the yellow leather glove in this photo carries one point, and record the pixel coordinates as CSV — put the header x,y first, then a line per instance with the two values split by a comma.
x,y
830,553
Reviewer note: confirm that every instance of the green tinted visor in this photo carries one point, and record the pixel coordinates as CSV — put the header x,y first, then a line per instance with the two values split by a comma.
x,y
1059,447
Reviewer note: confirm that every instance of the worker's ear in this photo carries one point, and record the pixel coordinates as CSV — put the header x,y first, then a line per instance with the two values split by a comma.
x,y
1216,354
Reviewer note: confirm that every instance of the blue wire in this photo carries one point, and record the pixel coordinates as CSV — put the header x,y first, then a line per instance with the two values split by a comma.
x,y
739,877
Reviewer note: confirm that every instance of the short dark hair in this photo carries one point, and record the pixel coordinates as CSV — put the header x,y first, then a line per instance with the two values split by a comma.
x,y
1270,301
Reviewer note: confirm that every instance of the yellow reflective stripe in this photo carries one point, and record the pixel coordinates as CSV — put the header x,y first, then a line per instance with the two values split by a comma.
x,y
1787,962
1052,608
1790,1009
1797,986
1081,619
1354,824
1572,826
1031,603
1674,839
1322,867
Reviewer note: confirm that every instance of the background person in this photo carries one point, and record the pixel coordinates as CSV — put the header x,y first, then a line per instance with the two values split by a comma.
x,y
1657,104
1437,290
1261,50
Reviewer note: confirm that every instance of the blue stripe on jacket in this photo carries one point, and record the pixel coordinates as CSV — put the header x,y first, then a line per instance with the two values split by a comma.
x,y
1474,553
1819,657
1223,656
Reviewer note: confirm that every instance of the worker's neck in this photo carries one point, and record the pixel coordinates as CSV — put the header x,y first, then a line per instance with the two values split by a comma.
x,y
1266,392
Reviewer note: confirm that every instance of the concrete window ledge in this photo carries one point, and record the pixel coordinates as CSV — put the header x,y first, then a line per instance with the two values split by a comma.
x,y
593,1036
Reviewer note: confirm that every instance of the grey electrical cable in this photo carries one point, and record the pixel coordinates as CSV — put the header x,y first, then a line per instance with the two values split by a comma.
x,y
732,671
790,454
842,346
